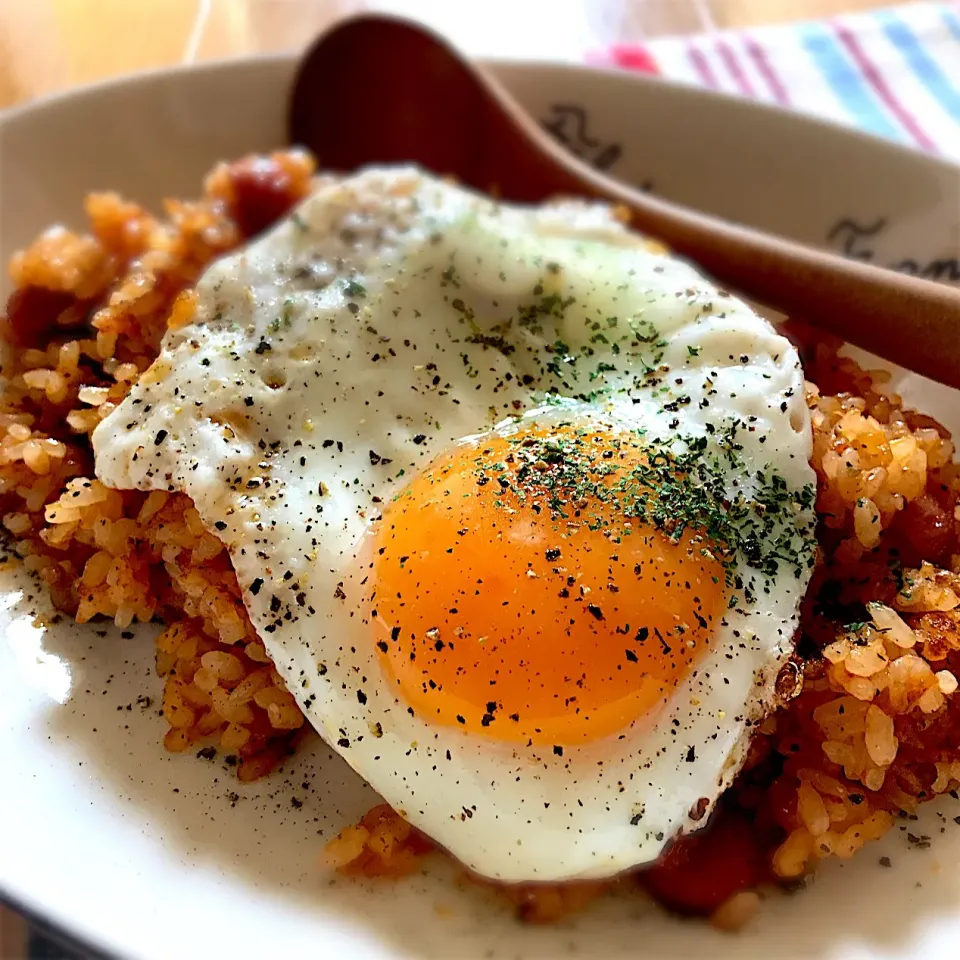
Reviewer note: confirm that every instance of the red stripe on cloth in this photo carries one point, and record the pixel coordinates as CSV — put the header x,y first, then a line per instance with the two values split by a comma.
x,y
762,62
702,65
873,77
730,61
633,57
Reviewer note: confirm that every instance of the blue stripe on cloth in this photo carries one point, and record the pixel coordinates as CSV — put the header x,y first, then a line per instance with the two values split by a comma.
x,y
921,63
952,22
847,84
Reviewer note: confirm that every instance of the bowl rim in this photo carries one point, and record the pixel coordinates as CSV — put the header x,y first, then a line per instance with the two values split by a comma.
x,y
499,66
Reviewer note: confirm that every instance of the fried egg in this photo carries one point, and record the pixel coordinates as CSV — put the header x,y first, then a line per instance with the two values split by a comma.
x,y
520,506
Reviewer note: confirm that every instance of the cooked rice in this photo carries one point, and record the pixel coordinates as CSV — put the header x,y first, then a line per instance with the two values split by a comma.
x,y
873,731
83,323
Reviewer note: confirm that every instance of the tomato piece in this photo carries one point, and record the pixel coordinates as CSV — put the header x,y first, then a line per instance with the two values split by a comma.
x,y
927,530
32,313
263,192
703,870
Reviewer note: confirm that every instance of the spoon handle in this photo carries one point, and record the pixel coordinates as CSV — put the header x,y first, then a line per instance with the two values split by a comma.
x,y
905,320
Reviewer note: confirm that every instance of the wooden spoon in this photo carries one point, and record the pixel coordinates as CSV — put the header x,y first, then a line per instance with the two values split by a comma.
x,y
376,89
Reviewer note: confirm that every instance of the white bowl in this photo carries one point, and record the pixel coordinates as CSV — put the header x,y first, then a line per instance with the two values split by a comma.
x,y
147,854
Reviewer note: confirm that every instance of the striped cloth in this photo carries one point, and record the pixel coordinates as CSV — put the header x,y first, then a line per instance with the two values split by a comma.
x,y
892,72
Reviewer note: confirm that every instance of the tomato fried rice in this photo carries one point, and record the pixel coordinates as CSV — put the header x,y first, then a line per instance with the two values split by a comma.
x,y
871,728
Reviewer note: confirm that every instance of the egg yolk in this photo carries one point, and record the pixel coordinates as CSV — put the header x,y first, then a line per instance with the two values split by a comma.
x,y
519,592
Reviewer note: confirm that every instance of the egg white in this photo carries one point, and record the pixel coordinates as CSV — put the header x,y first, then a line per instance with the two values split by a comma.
x,y
389,317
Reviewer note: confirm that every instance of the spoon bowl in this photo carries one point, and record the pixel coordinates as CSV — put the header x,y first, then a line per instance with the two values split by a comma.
x,y
376,89
406,96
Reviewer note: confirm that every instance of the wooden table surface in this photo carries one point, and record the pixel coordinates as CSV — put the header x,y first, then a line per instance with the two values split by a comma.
x,y
49,45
